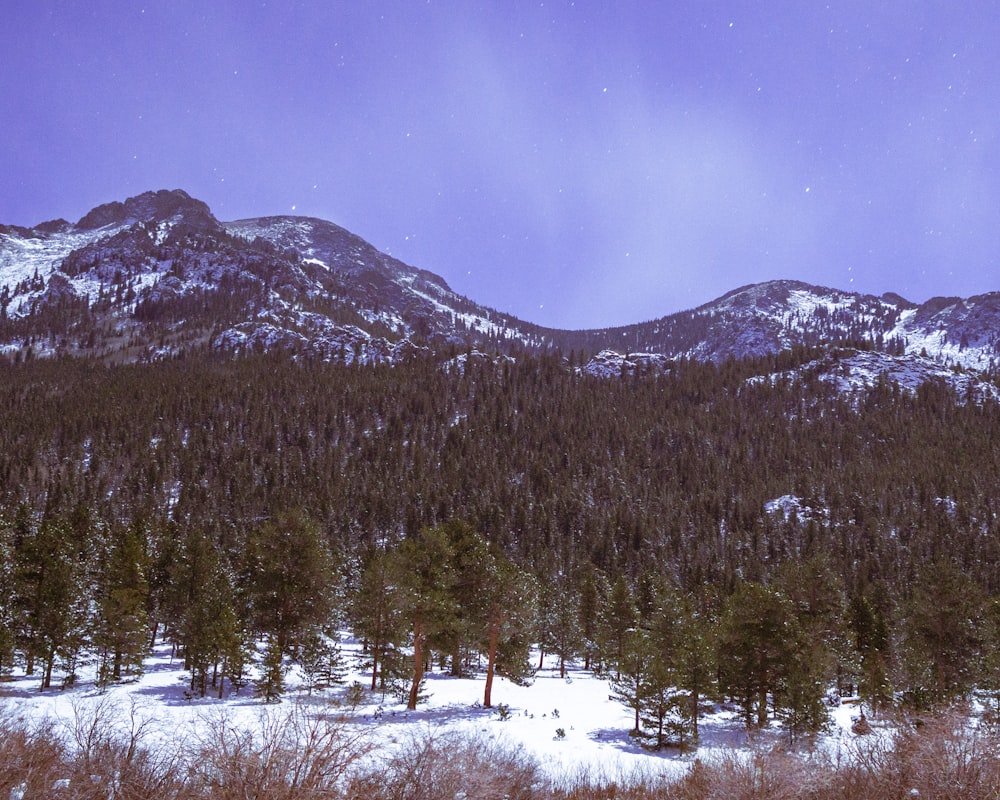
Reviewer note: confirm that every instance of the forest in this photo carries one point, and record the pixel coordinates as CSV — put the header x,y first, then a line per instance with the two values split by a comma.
x,y
458,512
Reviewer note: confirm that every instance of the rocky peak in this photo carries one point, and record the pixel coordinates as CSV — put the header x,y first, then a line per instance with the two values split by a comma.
x,y
160,206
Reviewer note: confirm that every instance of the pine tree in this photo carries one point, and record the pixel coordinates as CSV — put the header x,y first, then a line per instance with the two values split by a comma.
x,y
422,578
289,578
757,637
320,659
620,616
592,592
943,635
693,657
509,615
122,630
559,621
474,572
871,640
377,614
48,594
271,681
629,685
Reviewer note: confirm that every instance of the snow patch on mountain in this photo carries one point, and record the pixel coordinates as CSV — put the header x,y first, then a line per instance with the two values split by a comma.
x,y
610,364
789,507
857,373
313,335
29,259
460,363
160,261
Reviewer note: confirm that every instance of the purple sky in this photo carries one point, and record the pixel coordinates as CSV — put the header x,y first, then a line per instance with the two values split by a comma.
x,y
577,164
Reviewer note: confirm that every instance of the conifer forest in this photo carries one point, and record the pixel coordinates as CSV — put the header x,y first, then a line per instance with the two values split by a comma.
x,y
696,533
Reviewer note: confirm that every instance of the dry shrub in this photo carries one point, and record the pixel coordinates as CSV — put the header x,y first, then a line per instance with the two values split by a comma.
x,y
31,757
940,757
289,755
451,765
600,782
108,751
114,758
757,775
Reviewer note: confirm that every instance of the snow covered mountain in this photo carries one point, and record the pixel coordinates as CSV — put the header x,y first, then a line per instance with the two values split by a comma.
x,y
159,273
770,317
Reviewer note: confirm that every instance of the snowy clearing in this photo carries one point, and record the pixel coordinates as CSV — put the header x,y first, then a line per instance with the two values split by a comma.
x,y
570,725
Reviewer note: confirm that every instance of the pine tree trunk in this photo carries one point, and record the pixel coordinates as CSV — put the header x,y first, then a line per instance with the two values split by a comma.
x,y
762,709
375,652
418,664
47,679
492,662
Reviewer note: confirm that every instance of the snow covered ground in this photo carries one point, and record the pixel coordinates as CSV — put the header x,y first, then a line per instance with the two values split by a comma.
x,y
570,725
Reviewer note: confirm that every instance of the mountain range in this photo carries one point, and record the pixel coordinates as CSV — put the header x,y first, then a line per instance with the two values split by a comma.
x,y
158,274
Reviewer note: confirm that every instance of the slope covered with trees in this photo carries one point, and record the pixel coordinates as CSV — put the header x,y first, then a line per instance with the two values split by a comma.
x,y
245,509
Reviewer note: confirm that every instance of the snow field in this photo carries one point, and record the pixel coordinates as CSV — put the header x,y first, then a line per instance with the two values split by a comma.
x,y
570,725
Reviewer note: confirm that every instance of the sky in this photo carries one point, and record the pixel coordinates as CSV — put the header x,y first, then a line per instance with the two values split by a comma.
x,y
576,164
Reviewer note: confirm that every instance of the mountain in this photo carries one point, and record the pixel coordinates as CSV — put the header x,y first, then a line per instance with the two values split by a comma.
x,y
158,273
767,318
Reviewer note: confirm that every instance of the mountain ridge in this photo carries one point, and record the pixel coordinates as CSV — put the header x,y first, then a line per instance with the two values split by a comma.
x,y
158,273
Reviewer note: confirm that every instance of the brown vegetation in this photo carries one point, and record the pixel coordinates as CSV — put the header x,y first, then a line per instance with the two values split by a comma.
x,y
110,751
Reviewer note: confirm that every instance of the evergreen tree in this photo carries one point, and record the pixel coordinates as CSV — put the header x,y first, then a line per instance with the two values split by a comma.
x,y
377,614
321,660
943,635
592,592
510,613
121,635
474,573
871,640
48,590
289,577
271,681
692,653
620,617
819,608
559,622
629,685
757,637
422,578
7,616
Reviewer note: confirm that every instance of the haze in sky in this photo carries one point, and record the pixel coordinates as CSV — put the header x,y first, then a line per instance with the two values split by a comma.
x,y
577,164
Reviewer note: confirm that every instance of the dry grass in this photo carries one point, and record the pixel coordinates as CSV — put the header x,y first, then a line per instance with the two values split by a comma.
x,y
107,751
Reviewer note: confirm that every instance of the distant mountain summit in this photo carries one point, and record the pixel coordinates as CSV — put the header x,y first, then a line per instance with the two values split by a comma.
x,y
766,318
162,206
158,274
